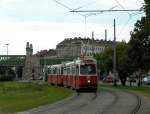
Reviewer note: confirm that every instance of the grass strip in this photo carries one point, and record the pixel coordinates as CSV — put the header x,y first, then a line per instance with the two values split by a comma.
x,y
16,96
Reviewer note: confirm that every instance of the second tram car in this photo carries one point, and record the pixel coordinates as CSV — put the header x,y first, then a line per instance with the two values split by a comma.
x,y
79,74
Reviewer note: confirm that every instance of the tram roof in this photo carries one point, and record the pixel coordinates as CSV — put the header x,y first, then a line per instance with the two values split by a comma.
x,y
57,65
76,61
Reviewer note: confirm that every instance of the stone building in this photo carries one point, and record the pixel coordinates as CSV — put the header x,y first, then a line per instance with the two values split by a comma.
x,y
80,46
33,68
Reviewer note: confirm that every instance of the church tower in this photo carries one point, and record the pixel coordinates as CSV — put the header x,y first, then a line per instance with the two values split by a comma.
x,y
29,49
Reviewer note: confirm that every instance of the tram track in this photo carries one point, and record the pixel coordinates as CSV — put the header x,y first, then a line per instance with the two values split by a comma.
x,y
106,101
117,102
98,104
111,104
138,104
114,107
84,104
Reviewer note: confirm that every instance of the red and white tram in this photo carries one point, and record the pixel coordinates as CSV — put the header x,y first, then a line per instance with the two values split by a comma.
x,y
79,74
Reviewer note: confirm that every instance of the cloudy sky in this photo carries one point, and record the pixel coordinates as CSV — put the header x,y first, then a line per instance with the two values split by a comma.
x,y
45,23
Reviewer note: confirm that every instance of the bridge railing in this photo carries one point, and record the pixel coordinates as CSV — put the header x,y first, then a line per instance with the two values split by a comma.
x,y
12,60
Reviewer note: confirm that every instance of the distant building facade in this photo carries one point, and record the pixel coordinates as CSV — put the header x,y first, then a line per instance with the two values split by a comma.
x,y
68,48
81,46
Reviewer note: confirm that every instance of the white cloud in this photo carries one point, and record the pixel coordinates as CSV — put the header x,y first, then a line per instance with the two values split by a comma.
x,y
6,3
46,35
51,27
126,3
10,1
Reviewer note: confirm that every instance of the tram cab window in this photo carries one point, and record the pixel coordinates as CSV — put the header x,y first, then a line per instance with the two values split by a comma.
x,y
87,69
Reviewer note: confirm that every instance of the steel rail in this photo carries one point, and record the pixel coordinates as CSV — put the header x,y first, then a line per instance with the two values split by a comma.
x,y
135,109
138,105
82,105
112,103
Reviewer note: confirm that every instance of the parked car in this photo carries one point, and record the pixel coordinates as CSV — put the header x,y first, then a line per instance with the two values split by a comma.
x,y
132,78
108,79
146,80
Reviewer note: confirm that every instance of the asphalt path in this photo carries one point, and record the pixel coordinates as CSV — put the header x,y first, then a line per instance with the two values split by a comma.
x,y
105,101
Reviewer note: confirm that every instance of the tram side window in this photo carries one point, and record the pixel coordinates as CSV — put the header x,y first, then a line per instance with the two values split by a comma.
x,y
57,70
73,71
68,70
64,71
77,70
54,71
61,70
49,70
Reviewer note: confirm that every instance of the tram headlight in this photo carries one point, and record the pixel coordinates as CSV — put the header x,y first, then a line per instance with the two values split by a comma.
x,y
89,81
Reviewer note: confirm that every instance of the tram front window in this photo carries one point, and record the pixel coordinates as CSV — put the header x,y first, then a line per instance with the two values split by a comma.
x,y
88,69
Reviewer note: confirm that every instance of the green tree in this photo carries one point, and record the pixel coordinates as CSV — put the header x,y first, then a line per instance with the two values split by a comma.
x,y
105,62
122,61
147,7
139,51
123,66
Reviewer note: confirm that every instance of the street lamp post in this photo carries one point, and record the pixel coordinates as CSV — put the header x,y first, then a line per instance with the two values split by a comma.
x,y
114,57
6,73
7,49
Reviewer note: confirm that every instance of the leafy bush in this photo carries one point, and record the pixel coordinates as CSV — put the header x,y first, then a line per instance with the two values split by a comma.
x,y
8,77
